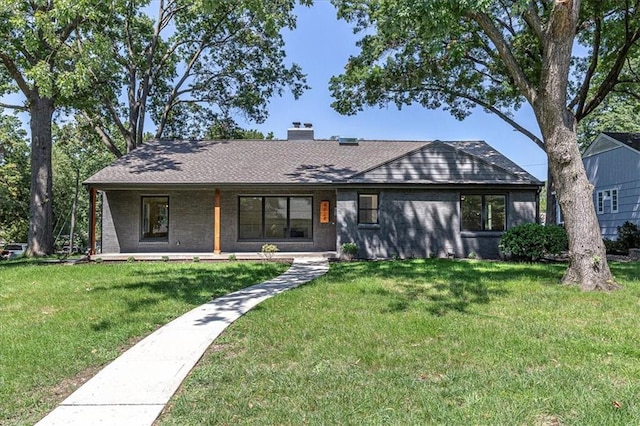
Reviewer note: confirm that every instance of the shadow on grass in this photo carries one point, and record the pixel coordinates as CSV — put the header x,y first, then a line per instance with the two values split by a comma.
x,y
442,285
191,285
625,271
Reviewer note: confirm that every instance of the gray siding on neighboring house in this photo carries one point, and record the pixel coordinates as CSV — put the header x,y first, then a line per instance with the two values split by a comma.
x,y
616,169
424,223
191,222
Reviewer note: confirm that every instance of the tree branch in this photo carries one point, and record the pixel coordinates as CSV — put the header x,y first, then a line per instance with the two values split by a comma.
x,y
489,107
520,79
611,79
16,75
581,96
106,139
16,107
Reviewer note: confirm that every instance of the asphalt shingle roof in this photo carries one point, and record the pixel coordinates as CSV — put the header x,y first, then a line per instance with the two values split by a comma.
x,y
168,162
629,139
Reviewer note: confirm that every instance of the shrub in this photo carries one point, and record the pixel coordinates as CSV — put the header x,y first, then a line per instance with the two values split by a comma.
x,y
615,247
628,237
268,250
350,250
532,241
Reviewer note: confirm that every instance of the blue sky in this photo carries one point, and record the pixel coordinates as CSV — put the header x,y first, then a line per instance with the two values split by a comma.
x,y
321,45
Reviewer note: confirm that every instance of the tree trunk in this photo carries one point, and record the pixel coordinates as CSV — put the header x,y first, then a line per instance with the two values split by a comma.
x,y
588,265
41,201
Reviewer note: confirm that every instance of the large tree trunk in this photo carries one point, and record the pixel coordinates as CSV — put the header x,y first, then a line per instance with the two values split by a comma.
x,y
41,201
588,265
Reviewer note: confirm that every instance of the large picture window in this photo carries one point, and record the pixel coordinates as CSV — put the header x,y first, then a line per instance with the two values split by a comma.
x,y
155,218
483,212
275,218
368,209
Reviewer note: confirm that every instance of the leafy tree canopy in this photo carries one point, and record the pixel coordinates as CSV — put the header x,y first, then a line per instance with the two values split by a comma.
x,y
228,129
14,179
191,64
464,54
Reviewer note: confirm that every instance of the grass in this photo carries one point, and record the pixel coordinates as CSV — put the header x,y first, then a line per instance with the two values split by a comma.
x,y
426,342
60,324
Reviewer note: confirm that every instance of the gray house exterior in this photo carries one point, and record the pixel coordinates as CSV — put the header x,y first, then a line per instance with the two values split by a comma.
x,y
392,198
612,162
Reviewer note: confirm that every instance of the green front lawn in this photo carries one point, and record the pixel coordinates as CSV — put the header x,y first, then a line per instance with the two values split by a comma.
x,y
59,324
426,342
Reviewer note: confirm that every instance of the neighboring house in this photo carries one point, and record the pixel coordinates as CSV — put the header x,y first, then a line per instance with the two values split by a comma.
x,y
612,162
392,198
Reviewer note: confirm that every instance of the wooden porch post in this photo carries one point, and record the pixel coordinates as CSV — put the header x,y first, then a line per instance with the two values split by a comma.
x,y
216,223
92,221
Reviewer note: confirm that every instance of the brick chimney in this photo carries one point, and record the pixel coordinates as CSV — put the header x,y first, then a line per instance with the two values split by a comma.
x,y
297,133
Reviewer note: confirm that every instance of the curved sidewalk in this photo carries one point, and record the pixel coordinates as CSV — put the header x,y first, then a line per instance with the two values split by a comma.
x,y
135,387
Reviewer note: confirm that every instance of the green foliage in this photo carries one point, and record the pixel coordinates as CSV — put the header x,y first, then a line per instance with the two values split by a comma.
x,y
350,250
532,241
77,154
628,237
14,180
194,64
442,54
619,112
228,129
49,55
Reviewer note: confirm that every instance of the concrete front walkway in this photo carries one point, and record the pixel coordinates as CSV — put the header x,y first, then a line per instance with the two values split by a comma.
x,y
136,386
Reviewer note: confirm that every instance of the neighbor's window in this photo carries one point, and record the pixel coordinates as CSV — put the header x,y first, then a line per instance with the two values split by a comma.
x,y
483,212
155,218
603,196
275,218
368,208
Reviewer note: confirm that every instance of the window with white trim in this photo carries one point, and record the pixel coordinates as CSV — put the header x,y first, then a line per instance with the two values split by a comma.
x,y
610,195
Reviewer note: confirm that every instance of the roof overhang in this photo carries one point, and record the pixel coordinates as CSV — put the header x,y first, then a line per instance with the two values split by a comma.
x,y
603,143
